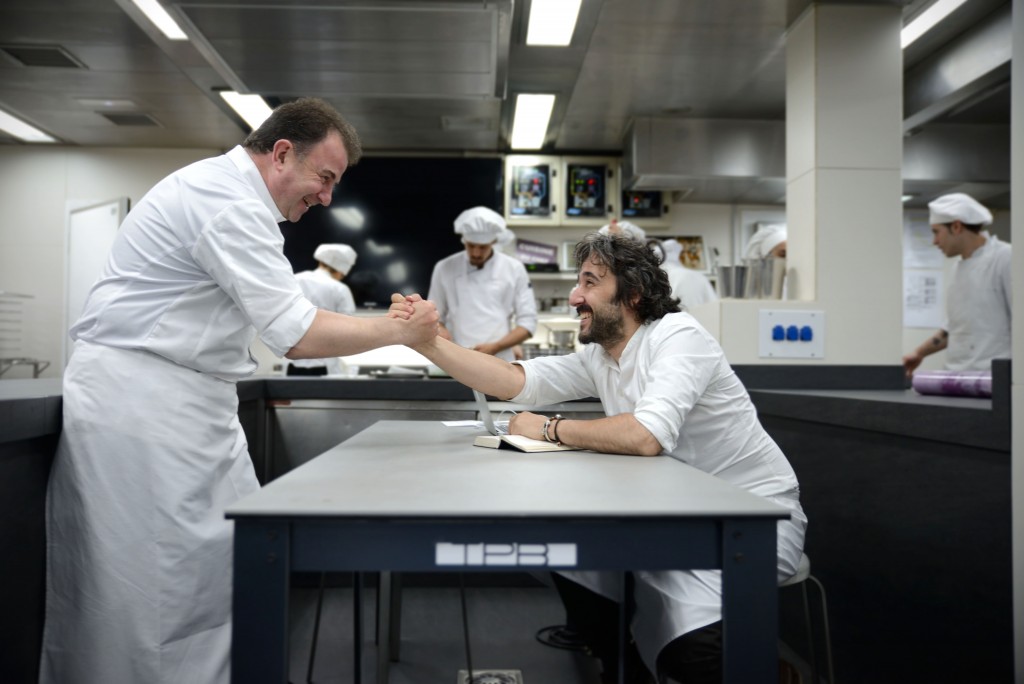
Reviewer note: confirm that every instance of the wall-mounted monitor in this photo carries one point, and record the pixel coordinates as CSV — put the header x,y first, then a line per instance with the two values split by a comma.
x,y
586,190
398,214
641,204
530,191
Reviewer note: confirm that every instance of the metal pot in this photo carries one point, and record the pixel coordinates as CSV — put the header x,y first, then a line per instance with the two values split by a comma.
x,y
561,338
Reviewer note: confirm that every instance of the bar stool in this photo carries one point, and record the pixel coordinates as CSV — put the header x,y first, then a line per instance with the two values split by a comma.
x,y
803,574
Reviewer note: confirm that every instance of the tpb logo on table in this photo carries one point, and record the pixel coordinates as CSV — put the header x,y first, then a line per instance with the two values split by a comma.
x,y
507,554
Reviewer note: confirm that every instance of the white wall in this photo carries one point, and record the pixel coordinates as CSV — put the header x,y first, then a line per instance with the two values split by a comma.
x,y
36,186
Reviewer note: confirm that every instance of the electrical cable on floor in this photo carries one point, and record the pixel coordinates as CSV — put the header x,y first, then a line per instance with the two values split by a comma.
x,y
465,629
561,636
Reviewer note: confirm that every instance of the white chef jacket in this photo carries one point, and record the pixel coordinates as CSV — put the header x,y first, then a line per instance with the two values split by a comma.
x,y
477,304
196,270
151,451
978,307
692,288
674,378
326,293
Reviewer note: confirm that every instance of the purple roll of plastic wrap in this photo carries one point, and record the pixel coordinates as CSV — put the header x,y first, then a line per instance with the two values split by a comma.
x,y
954,383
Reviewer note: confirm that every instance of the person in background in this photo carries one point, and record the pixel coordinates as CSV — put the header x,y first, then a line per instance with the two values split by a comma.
x,y
479,291
978,300
689,286
323,287
768,241
617,227
666,389
139,554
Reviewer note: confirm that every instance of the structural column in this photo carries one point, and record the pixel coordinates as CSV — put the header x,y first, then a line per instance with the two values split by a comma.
x,y
844,142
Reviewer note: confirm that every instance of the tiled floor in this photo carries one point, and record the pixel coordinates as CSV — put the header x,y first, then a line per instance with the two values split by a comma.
x,y
503,623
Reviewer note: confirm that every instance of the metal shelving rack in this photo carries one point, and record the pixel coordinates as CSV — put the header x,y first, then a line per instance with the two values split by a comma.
x,y
12,317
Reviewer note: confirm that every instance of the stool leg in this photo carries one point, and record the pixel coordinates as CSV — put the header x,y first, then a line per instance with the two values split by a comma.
x,y
316,630
828,635
810,634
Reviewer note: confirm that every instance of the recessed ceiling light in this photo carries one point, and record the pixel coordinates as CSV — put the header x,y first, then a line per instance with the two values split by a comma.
x,y
530,123
155,12
21,130
552,22
253,109
106,103
926,20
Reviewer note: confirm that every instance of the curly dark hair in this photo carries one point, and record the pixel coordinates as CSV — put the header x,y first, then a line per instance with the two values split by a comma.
x,y
636,268
304,122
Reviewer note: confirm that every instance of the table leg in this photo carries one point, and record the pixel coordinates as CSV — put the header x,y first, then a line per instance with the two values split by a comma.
x,y
259,613
750,615
384,599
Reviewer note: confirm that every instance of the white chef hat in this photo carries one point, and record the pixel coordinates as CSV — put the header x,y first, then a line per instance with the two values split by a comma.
x,y
339,257
672,250
482,226
625,228
765,240
958,207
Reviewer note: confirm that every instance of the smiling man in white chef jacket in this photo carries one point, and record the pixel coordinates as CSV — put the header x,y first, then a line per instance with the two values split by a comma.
x,y
479,291
666,389
139,554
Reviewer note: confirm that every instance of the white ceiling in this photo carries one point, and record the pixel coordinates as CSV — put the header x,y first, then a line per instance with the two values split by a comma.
x,y
427,76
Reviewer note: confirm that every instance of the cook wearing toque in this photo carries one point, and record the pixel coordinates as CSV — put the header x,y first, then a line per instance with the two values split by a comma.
x,y
978,299
479,291
324,288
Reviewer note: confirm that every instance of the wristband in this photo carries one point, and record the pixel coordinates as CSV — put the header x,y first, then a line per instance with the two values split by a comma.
x,y
558,419
547,423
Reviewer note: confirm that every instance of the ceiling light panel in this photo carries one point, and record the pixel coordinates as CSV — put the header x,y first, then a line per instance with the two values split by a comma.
x,y
155,12
530,123
552,22
253,109
21,130
927,19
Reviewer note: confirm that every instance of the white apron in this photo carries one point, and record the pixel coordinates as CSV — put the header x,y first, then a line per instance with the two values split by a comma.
x,y
670,603
138,551
481,312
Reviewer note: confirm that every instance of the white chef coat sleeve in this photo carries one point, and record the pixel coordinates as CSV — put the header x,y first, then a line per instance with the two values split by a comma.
x,y
438,294
346,303
525,306
551,379
241,250
1006,279
682,366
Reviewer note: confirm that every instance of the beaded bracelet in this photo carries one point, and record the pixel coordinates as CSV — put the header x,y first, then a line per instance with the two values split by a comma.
x,y
547,422
555,430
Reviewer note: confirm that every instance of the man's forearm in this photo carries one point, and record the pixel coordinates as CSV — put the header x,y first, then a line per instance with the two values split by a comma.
x,y
483,372
621,434
333,334
515,336
933,344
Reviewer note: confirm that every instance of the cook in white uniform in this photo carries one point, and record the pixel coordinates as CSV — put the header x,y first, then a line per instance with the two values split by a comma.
x,y
666,388
979,298
768,241
484,297
690,286
617,227
138,550
324,288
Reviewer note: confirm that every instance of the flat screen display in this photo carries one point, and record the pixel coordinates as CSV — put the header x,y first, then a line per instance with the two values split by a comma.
x,y
397,213
586,190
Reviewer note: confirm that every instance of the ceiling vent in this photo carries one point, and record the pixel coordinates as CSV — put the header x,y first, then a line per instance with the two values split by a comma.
x,y
42,56
467,123
129,119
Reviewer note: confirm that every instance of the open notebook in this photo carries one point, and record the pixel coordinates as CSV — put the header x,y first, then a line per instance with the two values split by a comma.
x,y
499,437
